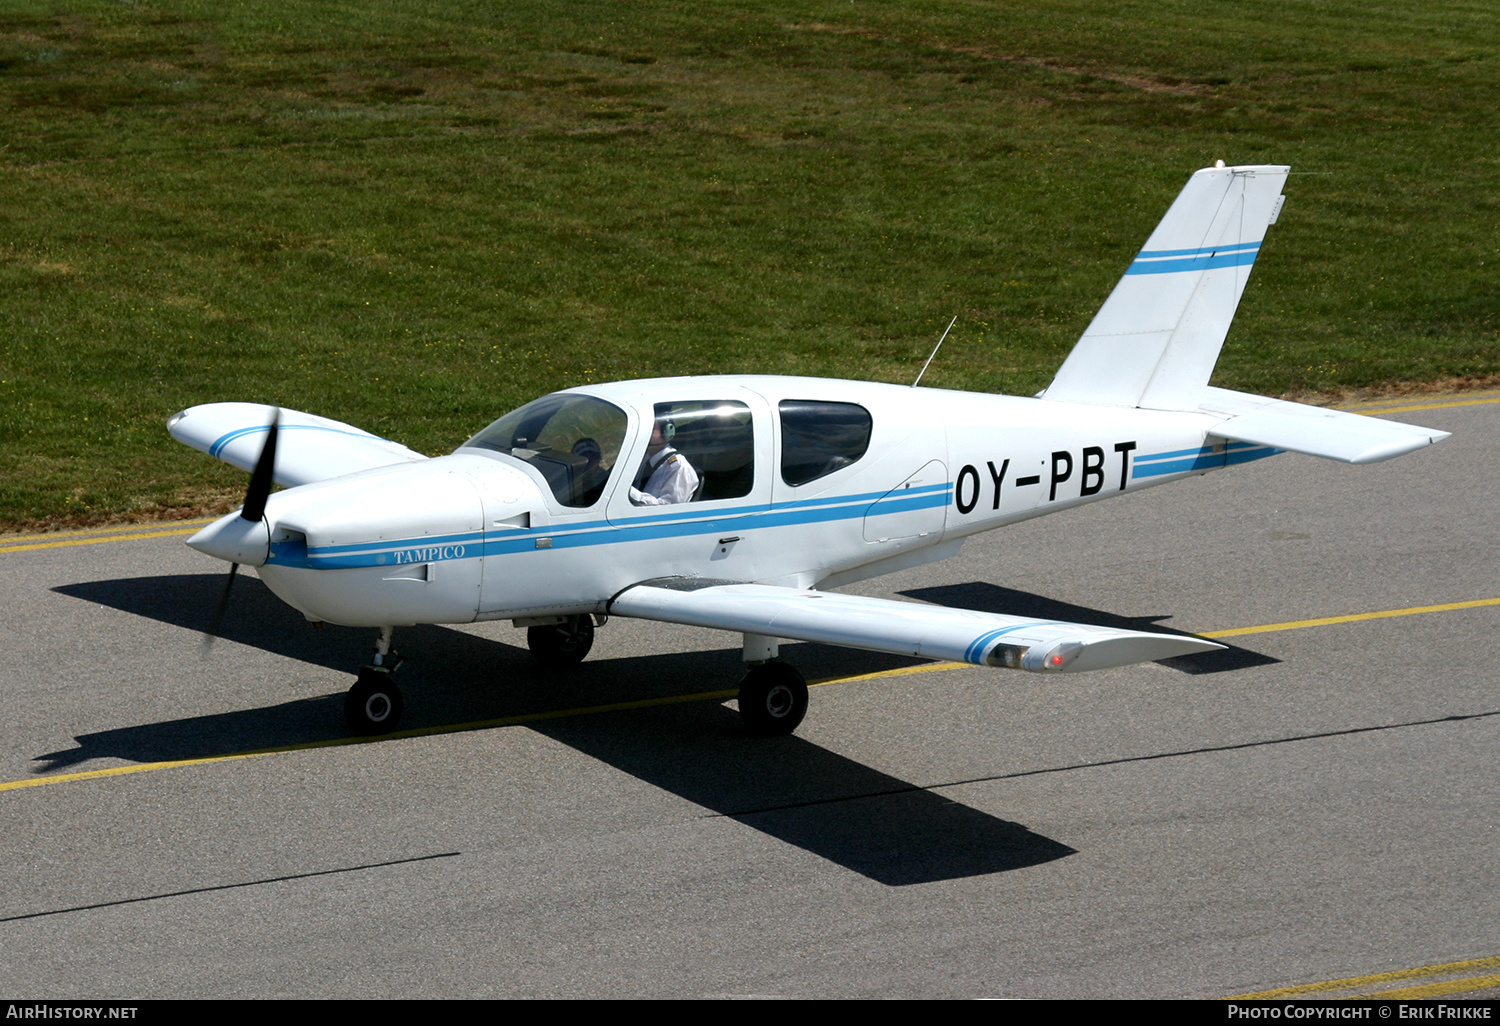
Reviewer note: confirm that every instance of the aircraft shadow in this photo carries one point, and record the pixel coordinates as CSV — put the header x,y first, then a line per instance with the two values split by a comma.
x,y
884,828
991,598
880,826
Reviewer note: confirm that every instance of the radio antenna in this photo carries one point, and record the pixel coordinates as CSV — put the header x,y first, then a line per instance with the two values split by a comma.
x,y
934,350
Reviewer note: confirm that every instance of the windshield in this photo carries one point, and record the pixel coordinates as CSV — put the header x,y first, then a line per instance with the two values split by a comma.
x,y
572,440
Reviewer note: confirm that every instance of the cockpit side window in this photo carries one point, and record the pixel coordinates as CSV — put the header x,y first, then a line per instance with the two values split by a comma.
x,y
574,441
699,451
818,438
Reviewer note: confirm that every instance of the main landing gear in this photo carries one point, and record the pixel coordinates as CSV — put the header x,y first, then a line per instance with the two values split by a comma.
x,y
557,646
773,698
373,705
773,695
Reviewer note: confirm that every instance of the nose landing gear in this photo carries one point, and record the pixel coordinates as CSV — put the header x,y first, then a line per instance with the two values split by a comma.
x,y
374,704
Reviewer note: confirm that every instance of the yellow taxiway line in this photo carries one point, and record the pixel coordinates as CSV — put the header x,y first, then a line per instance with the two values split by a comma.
x,y
63,539
702,696
1323,621
1461,981
1377,407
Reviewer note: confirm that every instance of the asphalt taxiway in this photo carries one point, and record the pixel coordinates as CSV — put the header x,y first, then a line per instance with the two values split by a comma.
x,y
1318,803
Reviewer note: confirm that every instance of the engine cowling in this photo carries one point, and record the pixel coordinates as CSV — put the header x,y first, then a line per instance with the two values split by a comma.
x,y
387,547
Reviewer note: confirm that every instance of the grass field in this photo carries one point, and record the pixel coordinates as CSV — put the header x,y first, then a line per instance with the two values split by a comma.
x,y
414,216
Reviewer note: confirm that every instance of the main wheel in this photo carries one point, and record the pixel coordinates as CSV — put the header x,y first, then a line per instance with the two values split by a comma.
x,y
560,645
373,705
773,699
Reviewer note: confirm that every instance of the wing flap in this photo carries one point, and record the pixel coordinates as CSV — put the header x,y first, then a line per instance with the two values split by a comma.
x,y
900,628
309,448
1313,430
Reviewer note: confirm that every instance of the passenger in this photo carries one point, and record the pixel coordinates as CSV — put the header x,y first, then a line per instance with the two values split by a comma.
x,y
666,477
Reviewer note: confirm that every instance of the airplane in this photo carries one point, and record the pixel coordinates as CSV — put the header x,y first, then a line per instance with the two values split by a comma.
x,y
782,488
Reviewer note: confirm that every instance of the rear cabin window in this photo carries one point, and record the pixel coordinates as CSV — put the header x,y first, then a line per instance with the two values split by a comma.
x,y
818,438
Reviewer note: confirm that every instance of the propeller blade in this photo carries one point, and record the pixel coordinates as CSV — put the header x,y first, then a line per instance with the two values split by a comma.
x,y
211,632
253,510
260,478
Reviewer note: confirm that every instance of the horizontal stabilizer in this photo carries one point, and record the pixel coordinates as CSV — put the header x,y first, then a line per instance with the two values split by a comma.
x,y
310,448
1314,430
899,628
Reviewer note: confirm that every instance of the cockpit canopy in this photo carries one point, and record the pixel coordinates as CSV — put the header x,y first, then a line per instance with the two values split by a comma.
x,y
573,440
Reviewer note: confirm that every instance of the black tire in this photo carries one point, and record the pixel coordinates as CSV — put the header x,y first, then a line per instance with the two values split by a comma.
x,y
373,705
561,645
773,699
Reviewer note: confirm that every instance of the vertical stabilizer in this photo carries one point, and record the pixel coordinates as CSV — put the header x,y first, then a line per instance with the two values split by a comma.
x,y
1156,339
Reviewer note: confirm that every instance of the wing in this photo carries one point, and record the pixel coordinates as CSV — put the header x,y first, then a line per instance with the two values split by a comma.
x,y
1314,430
309,448
900,628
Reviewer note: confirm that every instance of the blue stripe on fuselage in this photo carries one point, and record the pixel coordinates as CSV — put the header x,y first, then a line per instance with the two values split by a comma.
x,y
605,532
1183,461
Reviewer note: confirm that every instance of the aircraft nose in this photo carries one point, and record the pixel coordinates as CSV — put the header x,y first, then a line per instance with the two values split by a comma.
x,y
235,540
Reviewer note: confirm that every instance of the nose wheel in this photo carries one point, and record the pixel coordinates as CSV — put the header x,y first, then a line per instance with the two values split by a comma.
x,y
773,698
373,705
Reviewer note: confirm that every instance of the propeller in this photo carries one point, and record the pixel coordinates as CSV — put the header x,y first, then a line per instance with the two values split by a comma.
x,y
253,510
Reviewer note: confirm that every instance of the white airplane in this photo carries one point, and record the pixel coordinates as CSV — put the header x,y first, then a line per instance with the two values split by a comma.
x,y
775,490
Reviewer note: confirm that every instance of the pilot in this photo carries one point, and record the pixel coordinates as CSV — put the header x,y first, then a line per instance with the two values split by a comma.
x,y
666,477
588,483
